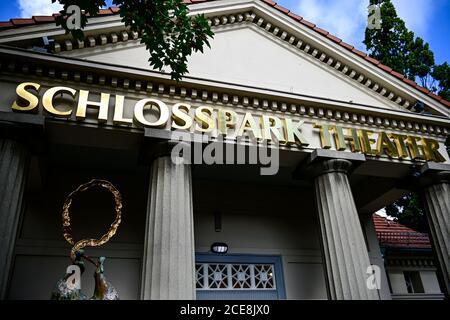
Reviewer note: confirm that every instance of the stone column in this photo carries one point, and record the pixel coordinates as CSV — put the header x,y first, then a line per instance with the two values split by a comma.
x,y
169,261
345,252
436,201
13,174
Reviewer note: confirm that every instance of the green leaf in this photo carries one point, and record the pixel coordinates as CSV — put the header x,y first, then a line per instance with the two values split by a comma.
x,y
169,34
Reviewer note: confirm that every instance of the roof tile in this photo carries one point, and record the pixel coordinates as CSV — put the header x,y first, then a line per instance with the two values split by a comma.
x,y
21,22
385,68
445,102
410,82
346,45
294,16
397,75
282,9
321,31
43,19
435,96
394,234
270,2
6,24
359,53
372,60
424,90
308,24
105,11
334,38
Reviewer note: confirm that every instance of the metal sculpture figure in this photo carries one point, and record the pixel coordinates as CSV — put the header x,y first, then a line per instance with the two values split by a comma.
x,y
68,287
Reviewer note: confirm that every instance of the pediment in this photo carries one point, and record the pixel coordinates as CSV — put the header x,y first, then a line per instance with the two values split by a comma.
x,y
246,55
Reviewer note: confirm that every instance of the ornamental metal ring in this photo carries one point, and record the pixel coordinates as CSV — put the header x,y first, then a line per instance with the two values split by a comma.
x,y
67,230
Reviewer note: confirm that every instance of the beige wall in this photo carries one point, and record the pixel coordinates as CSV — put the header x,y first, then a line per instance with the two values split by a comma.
x,y
265,220
248,55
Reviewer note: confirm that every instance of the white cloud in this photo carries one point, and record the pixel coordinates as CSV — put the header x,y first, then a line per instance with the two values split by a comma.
x,y
417,14
30,8
346,19
383,213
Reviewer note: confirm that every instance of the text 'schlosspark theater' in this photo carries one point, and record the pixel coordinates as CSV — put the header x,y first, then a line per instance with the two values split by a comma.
x,y
351,143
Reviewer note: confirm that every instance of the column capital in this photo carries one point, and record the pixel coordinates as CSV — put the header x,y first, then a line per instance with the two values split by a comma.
x,y
160,143
328,166
434,173
324,161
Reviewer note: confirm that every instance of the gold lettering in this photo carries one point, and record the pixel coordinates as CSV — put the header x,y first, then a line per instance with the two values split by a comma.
x,y
180,116
366,142
431,148
340,138
353,139
118,111
226,119
401,146
47,101
249,124
294,133
271,128
203,116
414,150
145,104
385,145
32,100
83,103
325,136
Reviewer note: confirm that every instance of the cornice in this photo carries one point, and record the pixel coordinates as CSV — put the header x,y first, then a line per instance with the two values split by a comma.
x,y
219,13
249,17
47,67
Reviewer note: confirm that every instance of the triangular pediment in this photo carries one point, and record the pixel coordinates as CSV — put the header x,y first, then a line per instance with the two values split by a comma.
x,y
246,55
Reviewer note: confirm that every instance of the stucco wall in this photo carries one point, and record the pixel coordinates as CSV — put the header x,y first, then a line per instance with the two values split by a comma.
x,y
264,220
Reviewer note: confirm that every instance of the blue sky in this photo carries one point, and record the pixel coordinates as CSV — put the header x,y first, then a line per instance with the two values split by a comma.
x,y
344,18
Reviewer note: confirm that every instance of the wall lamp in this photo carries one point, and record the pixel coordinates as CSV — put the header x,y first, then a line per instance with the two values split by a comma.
x,y
219,247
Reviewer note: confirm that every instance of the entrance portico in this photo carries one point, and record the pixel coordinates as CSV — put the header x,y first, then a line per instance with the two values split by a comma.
x,y
298,234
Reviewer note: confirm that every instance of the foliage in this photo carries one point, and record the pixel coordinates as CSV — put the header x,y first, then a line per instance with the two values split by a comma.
x,y
168,32
442,74
397,47
408,211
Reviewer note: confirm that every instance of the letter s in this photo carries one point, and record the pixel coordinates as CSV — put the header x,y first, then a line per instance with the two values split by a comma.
x,y
32,100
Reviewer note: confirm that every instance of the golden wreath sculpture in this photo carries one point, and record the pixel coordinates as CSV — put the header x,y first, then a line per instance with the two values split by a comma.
x,y
69,287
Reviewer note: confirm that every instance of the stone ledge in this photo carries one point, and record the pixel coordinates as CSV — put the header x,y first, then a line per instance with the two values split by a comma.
x,y
324,154
431,167
308,169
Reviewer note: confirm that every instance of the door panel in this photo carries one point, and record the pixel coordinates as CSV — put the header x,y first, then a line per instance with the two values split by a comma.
x,y
239,277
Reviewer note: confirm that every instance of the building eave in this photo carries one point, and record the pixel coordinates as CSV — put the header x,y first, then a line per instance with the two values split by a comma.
x,y
29,57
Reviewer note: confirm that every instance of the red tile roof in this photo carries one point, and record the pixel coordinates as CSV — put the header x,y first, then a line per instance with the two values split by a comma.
x,y
395,235
15,23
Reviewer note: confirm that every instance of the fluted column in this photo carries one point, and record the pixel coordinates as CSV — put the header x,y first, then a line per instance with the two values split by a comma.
x,y
13,168
168,264
436,202
345,252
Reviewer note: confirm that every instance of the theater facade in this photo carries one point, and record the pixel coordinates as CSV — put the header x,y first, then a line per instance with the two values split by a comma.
x,y
348,134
